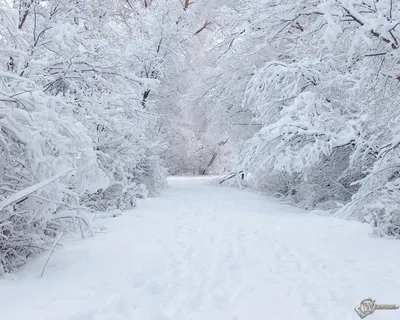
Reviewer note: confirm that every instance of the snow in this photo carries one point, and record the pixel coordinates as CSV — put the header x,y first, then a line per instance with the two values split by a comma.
x,y
207,252
27,191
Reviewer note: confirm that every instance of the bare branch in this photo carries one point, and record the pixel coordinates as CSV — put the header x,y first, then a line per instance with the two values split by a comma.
x,y
206,24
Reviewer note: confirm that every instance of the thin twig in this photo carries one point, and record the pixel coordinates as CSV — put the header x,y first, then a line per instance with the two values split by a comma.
x,y
51,252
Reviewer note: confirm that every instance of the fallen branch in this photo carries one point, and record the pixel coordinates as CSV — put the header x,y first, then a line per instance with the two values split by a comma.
x,y
231,176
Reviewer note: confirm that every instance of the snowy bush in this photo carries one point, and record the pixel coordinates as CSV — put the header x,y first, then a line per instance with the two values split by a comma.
x,y
323,91
330,126
74,134
36,145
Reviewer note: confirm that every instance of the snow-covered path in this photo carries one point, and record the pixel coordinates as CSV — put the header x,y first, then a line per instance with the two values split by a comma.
x,y
205,252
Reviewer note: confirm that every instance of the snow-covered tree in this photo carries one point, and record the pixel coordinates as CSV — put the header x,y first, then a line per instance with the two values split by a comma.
x,y
47,161
319,88
73,102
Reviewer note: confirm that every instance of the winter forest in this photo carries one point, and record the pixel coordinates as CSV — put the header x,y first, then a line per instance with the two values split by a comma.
x,y
101,100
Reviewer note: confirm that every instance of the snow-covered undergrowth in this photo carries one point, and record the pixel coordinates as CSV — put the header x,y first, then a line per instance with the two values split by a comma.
x,y
321,94
77,121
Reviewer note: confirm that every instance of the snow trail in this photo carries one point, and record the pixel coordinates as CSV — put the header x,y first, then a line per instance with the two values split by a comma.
x,y
206,252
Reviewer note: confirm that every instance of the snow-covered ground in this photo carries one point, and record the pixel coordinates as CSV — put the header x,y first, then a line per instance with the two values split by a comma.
x,y
207,252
